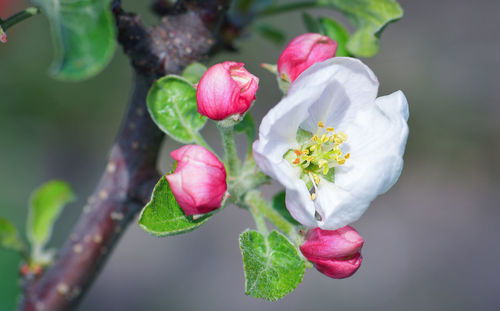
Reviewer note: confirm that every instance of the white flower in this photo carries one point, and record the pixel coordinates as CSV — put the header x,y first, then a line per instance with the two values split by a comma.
x,y
332,184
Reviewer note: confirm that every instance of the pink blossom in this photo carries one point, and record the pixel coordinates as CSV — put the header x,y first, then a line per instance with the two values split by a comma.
x,y
302,52
335,253
199,181
226,89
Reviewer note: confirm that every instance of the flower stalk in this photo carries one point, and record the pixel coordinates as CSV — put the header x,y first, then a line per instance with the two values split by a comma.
x,y
231,158
262,207
18,17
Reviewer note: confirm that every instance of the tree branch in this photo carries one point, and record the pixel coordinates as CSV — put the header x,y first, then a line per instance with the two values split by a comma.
x,y
126,185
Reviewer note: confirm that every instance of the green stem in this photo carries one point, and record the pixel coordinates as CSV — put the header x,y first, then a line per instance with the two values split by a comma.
x,y
255,200
259,220
19,17
291,7
230,151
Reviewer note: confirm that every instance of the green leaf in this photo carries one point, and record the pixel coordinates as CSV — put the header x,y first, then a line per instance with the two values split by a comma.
x,y
336,32
9,237
46,203
247,126
83,32
194,72
163,216
271,33
172,105
310,23
272,266
370,17
280,206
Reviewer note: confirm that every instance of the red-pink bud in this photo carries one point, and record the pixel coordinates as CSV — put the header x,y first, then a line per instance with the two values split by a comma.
x,y
226,89
339,269
336,253
302,52
3,36
199,181
326,244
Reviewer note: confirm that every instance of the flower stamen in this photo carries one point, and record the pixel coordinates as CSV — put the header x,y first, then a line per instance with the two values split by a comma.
x,y
319,155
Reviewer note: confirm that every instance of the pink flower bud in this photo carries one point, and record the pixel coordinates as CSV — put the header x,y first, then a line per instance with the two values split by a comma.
x,y
226,89
326,244
3,36
339,269
199,181
302,52
335,253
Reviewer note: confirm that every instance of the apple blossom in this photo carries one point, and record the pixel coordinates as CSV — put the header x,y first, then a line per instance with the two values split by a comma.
x,y
199,181
335,253
332,144
226,89
302,52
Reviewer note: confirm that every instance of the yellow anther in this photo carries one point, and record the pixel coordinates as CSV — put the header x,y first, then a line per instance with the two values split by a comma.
x,y
321,124
310,158
315,138
313,147
341,161
347,155
324,138
332,138
316,179
343,136
329,129
313,196
305,151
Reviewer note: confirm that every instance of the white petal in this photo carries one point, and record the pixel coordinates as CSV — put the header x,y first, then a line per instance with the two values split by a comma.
x,y
376,141
300,205
337,206
344,86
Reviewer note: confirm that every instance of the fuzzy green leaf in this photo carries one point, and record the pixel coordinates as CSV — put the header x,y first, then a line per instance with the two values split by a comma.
x,y
280,206
9,237
337,33
272,266
172,105
163,216
46,203
83,33
370,17
194,72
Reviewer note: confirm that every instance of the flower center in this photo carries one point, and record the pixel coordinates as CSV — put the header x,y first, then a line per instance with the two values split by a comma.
x,y
318,155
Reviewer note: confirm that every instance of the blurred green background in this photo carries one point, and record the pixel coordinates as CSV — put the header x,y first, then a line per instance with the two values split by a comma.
x,y
431,242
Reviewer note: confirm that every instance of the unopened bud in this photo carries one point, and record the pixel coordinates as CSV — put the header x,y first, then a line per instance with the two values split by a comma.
x,y
302,52
335,253
3,35
339,269
225,90
199,181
